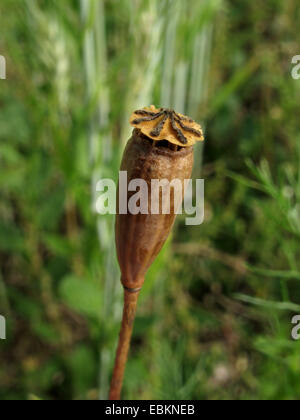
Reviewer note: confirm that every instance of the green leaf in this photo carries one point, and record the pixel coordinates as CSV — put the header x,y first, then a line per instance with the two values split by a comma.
x,y
58,245
268,304
83,365
278,274
10,238
82,295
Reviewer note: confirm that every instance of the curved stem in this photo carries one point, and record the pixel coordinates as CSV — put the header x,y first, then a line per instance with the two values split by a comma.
x,y
130,305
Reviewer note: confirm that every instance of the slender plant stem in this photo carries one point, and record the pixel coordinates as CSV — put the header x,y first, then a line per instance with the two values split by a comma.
x,y
130,305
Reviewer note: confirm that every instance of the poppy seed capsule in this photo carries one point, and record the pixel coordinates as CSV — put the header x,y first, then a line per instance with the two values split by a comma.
x,y
160,150
140,237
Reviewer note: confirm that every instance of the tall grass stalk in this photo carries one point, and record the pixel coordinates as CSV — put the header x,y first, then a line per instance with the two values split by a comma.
x,y
100,146
146,52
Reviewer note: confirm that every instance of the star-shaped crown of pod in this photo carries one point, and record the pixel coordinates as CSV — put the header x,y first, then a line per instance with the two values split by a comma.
x,y
166,124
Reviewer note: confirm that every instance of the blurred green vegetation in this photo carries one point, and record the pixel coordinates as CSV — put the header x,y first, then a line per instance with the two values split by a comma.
x,y
214,318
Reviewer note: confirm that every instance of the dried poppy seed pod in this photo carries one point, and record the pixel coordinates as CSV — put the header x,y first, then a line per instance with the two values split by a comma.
x,y
139,238
160,149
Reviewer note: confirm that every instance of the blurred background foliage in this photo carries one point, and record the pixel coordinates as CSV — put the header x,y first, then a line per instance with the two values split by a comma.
x,y
214,318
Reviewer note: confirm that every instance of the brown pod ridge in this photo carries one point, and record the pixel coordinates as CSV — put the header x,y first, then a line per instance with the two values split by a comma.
x,y
140,237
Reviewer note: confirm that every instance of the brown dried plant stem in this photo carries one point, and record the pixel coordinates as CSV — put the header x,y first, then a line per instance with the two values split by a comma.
x,y
130,305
